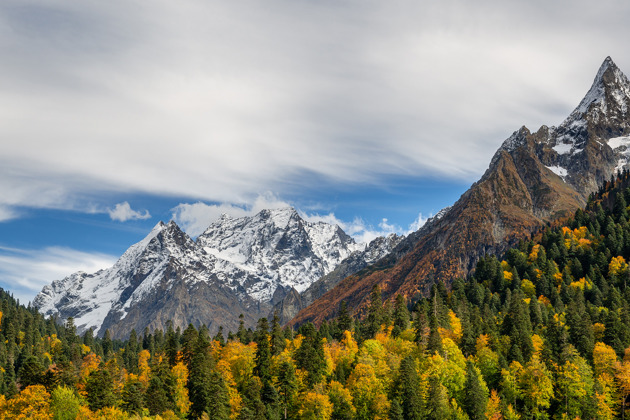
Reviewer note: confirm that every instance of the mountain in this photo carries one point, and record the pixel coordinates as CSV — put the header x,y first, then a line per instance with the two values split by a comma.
x,y
533,179
294,301
278,249
238,265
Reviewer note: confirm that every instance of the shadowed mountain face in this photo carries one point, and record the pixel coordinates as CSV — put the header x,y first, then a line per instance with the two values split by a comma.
x,y
533,179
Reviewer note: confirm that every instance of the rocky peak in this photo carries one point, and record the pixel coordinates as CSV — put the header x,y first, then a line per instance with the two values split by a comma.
x,y
603,112
533,179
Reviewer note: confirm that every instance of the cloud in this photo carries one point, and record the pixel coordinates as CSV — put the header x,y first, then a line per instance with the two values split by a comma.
x,y
417,224
123,212
195,218
217,101
7,213
357,228
26,271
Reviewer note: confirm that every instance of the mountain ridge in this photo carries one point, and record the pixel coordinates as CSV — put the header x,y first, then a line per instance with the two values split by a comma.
x,y
532,179
238,265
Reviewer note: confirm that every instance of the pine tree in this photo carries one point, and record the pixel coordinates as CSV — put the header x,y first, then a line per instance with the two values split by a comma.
x,y
219,336
277,336
476,395
242,332
408,389
263,352
133,396
100,390
401,315
310,355
435,341
287,386
160,395
31,372
344,320
374,317
437,405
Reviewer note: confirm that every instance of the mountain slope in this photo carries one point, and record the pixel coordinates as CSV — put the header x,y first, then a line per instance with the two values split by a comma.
x,y
295,301
244,265
533,179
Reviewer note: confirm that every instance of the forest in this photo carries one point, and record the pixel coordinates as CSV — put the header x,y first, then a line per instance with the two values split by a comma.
x,y
542,332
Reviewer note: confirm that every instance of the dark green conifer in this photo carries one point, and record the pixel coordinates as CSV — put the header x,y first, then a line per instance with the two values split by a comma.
x,y
100,390
401,315
475,396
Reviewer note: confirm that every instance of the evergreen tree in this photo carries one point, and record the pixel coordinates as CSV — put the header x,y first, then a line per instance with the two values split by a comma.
x,y
277,336
476,395
263,351
310,355
408,389
31,372
435,341
287,387
374,317
344,320
100,390
133,396
401,315
160,395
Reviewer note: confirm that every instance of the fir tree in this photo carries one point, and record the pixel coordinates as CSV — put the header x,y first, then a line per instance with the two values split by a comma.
x,y
476,395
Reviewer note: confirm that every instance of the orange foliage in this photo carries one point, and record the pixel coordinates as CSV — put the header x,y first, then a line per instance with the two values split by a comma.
x,y
90,363
143,367
180,373
32,403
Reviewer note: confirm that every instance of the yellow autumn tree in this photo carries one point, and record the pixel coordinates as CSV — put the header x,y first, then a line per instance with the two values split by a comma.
x,y
89,364
343,352
240,359
486,359
536,385
509,382
574,384
315,406
604,359
622,379
454,332
32,403
368,393
617,268
493,409
180,373
143,367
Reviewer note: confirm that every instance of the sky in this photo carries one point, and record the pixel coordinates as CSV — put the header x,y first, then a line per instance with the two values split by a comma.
x,y
369,114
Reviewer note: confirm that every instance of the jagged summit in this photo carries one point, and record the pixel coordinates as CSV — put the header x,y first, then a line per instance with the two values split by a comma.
x,y
238,265
609,93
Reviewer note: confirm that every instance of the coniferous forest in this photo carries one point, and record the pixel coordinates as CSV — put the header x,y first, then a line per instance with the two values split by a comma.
x,y
542,332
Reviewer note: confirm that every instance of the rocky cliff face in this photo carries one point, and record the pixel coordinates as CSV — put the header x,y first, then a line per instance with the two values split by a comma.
x,y
295,301
243,265
533,178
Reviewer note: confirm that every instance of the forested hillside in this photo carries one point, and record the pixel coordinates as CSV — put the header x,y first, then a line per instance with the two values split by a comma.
x,y
541,332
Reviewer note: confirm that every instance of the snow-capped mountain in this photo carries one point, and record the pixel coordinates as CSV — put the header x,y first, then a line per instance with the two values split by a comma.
x,y
238,265
278,249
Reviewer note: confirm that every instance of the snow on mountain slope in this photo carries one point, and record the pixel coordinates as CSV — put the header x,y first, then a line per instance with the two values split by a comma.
x,y
88,298
278,247
248,263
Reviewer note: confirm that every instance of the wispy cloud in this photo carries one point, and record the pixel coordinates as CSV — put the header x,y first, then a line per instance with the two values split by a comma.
x,y
196,217
219,101
26,271
123,212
